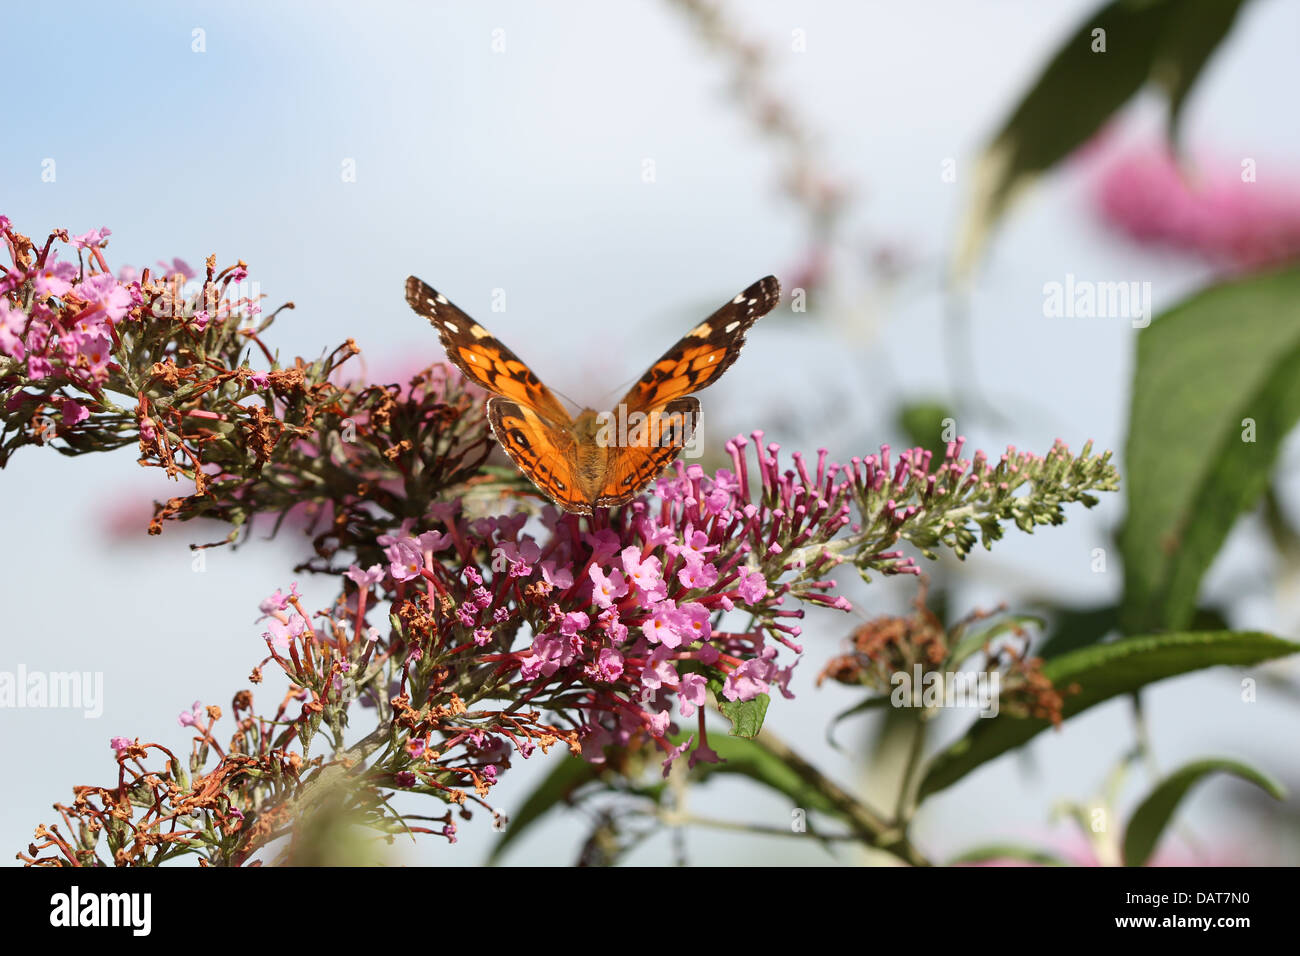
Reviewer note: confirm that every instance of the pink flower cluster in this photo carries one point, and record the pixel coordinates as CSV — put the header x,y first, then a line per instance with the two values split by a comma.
x,y
1235,221
68,330
627,626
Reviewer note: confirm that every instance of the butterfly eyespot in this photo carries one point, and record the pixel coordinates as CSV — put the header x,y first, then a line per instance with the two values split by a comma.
x,y
560,485
628,480
518,438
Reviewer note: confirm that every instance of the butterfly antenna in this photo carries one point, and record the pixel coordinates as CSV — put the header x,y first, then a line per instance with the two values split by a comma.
x,y
565,396
618,391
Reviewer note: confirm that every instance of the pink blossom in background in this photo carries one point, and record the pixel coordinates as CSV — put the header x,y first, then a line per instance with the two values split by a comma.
x,y
1206,209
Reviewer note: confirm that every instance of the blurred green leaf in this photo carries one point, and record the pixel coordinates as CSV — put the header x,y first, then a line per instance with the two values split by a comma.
x,y
923,424
1152,816
748,758
1009,624
1167,41
1080,627
568,774
1226,355
1102,672
1195,30
996,852
1073,628
862,707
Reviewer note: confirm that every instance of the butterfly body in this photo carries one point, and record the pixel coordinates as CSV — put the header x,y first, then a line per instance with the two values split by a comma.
x,y
598,459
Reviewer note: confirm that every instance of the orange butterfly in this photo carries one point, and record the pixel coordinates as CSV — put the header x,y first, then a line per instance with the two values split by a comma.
x,y
595,460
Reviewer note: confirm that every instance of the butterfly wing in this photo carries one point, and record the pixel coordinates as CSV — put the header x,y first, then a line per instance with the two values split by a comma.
x,y
480,355
661,394
706,351
633,466
545,452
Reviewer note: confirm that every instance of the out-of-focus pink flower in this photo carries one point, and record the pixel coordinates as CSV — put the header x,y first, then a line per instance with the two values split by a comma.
x,y
178,265
365,578
1232,220
74,413
92,238
54,278
12,322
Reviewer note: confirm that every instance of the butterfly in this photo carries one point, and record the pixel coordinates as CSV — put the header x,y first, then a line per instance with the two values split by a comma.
x,y
599,459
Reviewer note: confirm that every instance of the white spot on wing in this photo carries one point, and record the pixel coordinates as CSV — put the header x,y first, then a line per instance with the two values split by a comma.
x,y
478,331
738,299
733,326
442,299
450,326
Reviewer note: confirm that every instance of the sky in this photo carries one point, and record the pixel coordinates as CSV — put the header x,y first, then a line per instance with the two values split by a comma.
x,y
502,146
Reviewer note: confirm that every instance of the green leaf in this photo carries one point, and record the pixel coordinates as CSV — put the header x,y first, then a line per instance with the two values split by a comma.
x,y
1154,813
1228,354
1074,628
1194,32
746,716
1168,41
995,852
1081,627
871,703
971,643
923,423
570,773
748,758
1102,671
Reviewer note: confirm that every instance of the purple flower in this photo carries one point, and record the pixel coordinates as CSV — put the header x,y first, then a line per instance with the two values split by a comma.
x,y
664,625
54,278
574,622
698,576
561,578
752,586
694,622
433,541
676,752
276,602
608,588
365,579
607,667
92,238
281,631
646,575
691,694
658,672
107,300
405,559
747,681
74,413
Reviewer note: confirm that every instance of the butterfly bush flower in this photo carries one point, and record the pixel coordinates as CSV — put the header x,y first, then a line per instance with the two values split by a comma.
x,y
471,628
